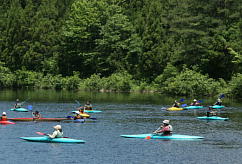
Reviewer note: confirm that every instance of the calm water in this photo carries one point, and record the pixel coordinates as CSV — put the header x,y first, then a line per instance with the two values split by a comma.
x,y
122,114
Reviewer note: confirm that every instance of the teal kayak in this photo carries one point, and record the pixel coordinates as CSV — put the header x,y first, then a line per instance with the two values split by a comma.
x,y
212,118
216,106
193,107
89,111
171,137
19,109
50,140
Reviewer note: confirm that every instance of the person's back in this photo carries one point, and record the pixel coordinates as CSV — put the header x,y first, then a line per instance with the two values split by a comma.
x,y
4,117
36,115
176,104
219,102
17,104
88,106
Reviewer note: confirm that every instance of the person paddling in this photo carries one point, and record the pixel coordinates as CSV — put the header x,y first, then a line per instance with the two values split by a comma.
x,y
176,104
36,115
82,113
17,104
58,133
88,106
164,129
78,116
4,116
211,112
194,103
218,102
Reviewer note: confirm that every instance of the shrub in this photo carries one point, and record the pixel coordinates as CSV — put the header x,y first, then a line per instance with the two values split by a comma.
x,y
191,83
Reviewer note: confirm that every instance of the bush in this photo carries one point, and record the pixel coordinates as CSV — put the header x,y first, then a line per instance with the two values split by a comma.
x,y
94,83
118,82
234,88
191,83
27,78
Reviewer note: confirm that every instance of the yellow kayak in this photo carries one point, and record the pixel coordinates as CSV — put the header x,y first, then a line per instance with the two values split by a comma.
x,y
174,108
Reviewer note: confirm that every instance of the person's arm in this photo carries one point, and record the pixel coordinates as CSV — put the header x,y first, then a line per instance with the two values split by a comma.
x,y
53,135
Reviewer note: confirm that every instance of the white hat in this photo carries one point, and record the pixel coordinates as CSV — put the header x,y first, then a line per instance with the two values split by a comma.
x,y
194,100
4,113
57,127
166,121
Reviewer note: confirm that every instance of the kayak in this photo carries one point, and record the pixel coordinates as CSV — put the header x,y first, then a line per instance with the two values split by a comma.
x,y
37,119
54,140
171,137
19,109
92,111
174,109
212,118
6,122
193,107
83,115
216,106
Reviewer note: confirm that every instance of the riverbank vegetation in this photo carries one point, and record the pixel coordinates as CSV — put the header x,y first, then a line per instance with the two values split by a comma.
x,y
189,47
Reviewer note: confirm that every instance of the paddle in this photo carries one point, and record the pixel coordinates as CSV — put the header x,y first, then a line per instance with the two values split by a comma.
x,y
183,105
44,134
78,102
221,96
24,101
30,107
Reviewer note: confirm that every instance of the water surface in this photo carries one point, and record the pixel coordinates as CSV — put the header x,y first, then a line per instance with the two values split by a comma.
x,y
122,114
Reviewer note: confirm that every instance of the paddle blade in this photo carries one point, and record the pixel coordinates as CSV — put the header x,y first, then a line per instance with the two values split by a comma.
x,y
40,133
30,107
181,100
200,101
183,105
221,96
148,137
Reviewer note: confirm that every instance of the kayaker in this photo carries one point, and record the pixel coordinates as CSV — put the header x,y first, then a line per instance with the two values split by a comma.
x,y
176,104
57,132
219,102
211,112
164,129
194,103
4,116
82,113
88,106
77,116
17,104
36,115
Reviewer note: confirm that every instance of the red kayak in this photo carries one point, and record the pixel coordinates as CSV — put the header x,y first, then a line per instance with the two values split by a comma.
x,y
37,119
6,122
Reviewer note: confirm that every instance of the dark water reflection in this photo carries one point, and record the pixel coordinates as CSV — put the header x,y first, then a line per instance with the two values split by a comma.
x,y
122,114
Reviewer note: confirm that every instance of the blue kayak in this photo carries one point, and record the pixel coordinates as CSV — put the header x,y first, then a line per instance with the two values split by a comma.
x,y
193,107
217,106
171,137
212,118
50,140
19,109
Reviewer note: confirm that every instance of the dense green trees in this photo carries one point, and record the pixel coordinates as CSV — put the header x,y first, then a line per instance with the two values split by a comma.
x,y
154,45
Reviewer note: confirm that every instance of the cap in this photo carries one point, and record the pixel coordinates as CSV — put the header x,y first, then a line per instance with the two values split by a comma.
x,y
194,100
58,127
4,113
166,121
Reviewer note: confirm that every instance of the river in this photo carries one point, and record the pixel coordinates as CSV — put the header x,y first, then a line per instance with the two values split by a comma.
x,y
123,113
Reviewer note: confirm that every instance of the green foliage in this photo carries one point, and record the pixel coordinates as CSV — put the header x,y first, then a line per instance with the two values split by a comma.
x,y
27,78
118,82
191,83
93,83
234,88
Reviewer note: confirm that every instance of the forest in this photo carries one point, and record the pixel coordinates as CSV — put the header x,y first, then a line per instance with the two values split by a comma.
x,y
188,47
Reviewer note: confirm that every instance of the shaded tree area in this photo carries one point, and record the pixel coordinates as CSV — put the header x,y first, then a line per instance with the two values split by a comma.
x,y
144,38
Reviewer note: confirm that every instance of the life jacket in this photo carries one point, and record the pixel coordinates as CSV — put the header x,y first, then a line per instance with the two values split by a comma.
x,y
4,118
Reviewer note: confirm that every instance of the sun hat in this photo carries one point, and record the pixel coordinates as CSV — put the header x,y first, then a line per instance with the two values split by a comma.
x,y
57,127
4,113
166,121
194,100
